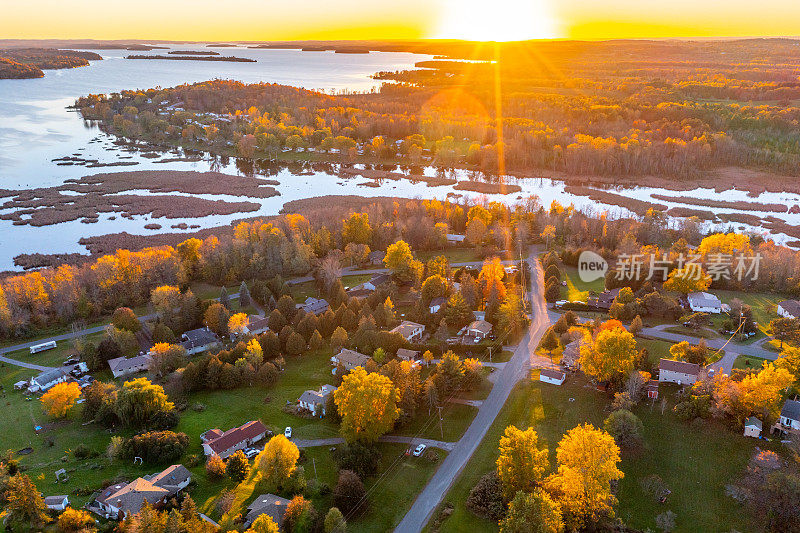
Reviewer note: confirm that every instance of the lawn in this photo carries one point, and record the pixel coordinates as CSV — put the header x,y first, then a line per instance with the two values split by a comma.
x,y
56,356
748,362
456,418
453,255
301,291
696,461
656,349
578,290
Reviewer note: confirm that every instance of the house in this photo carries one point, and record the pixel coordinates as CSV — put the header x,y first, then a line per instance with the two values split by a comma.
x,y
123,366
315,401
652,389
436,304
56,503
752,427
199,340
317,306
604,300
479,329
679,372
48,378
349,359
411,331
125,499
572,354
358,292
376,257
789,421
788,309
704,302
225,444
554,377
405,354
455,238
256,325
376,281
268,504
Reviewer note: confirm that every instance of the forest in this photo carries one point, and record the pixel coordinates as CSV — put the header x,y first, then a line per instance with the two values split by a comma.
x,y
617,109
29,62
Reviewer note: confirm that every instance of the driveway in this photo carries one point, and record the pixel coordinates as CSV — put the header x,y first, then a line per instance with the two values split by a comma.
x,y
516,369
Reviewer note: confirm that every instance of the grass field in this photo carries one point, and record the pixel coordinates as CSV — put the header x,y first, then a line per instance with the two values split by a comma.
x,y
456,418
748,362
56,356
694,460
453,255
577,290
301,291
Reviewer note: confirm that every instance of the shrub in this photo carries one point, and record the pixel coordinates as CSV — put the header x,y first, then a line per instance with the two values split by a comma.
x,y
237,467
349,492
359,458
215,467
156,446
486,497
625,427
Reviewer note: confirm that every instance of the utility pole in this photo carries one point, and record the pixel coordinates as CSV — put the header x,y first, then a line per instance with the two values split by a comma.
x,y
490,353
441,429
314,460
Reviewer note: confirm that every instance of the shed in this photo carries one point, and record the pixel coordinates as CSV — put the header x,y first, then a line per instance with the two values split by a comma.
x,y
752,427
554,377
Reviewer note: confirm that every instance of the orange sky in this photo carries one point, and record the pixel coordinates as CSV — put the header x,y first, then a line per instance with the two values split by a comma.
x,y
359,19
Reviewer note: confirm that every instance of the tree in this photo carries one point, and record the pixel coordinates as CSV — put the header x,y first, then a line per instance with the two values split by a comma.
x,y
790,361
334,521
224,299
636,325
125,318
139,400
687,279
216,319
215,466
535,512
356,229
625,427
367,403
587,465
339,338
433,287
24,502
263,524
548,234
244,296
550,341
610,356
349,492
511,317
167,357
521,464
237,324
490,279
155,446
785,330
60,399
278,460
486,497
75,520
237,467
165,299
299,516
276,321
401,262
295,344
457,312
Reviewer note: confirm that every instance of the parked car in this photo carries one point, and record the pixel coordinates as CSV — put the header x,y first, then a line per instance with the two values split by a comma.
x,y
250,452
419,450
287,432
71,361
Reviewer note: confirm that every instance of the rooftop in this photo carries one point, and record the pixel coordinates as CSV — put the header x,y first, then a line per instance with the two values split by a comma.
x,y
679,366
791,409
234,436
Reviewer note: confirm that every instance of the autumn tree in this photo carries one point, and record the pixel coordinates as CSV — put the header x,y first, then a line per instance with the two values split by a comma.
x,y
587,466
24,503
356,229
166,358
625,427
165,299
610,356
522,463
237,324
216,319
334,521
244,296
339,338
125,318
511,317
457,312
215,466
60,399
263,524
139,400
237,467
490,279
367,404
348,492
785,330
401,262
75,520
532,512
687,279
277,460
300,515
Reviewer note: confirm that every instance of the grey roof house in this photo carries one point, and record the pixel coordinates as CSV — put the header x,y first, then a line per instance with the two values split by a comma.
x,y
268,504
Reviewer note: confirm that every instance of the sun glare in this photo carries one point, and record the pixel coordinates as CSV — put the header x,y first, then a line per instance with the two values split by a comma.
x,y
496,20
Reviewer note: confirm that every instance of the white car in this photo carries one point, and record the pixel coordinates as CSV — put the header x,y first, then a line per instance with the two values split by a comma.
x,y
420,450
250,453
287,432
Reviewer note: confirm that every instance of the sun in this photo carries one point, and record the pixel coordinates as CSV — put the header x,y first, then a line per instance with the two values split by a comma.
x,y
496,20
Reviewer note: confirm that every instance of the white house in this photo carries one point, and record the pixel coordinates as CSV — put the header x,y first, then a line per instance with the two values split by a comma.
x,y
554,377
704,302
411,331
455,238
789,309
317,306
789,420
48,378
679,372
56,503
752,427
123,366
479,329
315,401
376,281
436,304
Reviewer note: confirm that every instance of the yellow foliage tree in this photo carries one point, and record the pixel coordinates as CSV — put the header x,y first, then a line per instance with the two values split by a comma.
x,y
165,298
74,520
762,393
491,279
237,324
522,463
60,399
688,279
587,465
725,243
611,355
264,524
277,460
367,403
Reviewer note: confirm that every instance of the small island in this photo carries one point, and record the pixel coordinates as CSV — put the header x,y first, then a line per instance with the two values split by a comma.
x,y
195,58
193,53
25,63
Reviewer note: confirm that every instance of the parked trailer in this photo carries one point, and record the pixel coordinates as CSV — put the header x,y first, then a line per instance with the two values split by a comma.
x,y
42,347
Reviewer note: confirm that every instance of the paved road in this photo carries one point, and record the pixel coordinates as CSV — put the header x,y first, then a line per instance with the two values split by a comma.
x,y
335,441
509,375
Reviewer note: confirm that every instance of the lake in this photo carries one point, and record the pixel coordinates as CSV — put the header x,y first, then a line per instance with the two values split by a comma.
x,y
36,127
